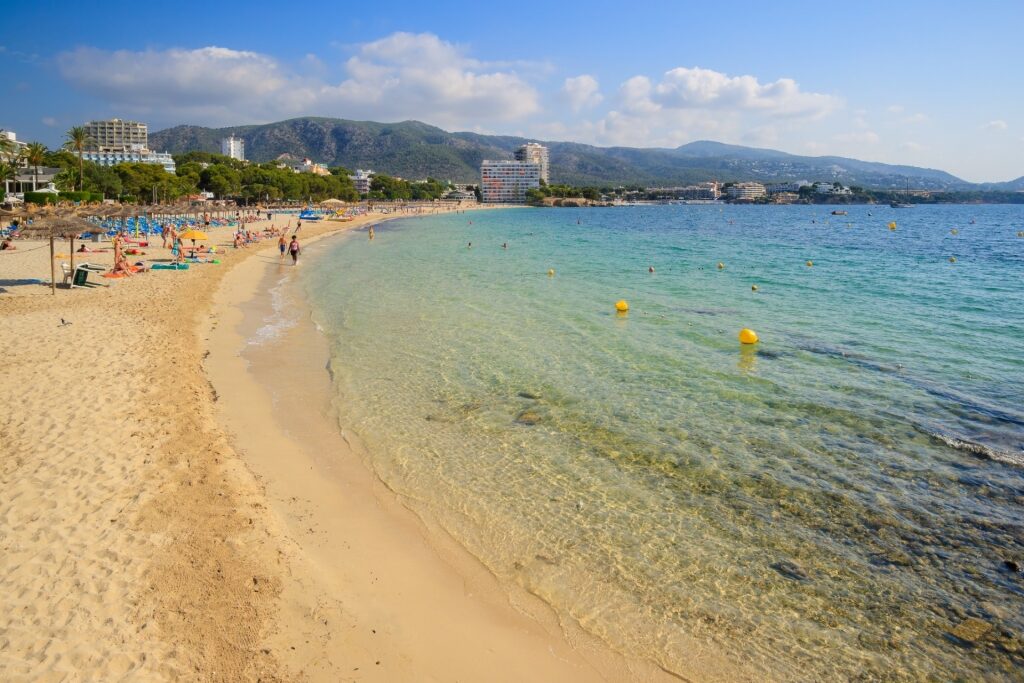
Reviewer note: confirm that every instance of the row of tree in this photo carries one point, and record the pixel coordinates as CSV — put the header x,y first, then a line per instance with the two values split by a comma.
x,y
223,176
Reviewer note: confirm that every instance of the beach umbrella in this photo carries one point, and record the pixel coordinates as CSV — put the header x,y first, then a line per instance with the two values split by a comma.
x,y
193,234
57,224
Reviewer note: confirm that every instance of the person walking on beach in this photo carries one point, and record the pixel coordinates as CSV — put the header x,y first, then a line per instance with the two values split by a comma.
x,y
294,249
282,244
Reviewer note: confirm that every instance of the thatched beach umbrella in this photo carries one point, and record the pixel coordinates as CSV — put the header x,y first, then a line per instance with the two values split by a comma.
x,y
53,224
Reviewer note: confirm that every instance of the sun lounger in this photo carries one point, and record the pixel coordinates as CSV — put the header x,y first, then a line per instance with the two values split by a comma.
x,y
80,276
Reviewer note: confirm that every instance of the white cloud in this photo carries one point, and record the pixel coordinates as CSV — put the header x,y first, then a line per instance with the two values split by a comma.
x,y
895,109
691,103
684,88
913,147
915,118
998,124
400,76
49,121
582,92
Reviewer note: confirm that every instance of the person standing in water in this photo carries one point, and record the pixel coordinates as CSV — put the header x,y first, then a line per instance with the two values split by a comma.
x,y
282,244
371,232
294,249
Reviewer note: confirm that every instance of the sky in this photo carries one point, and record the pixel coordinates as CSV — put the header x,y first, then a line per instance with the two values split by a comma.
x,y
899,82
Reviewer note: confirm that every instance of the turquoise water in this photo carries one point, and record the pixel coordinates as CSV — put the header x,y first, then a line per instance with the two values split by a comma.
x,y
831,503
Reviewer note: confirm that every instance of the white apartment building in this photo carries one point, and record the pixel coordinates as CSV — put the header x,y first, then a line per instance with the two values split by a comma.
x,y
131,156
233,147
506,182
361,180
115,135
535,153
745,191
821,187
795,186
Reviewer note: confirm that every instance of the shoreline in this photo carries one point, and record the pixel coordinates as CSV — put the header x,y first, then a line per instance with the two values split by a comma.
x,y
357,550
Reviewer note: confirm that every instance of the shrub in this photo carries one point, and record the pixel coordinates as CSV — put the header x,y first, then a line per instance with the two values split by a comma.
x,y
40,198
75,196
95,196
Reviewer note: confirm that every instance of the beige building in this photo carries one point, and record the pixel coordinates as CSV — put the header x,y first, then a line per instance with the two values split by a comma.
x,y
535,153
115,135
745,191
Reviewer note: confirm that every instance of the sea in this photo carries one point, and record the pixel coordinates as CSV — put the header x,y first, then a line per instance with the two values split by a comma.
x,y
843,500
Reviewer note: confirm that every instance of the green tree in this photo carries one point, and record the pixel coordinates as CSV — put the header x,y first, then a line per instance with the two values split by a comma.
x,y
7,173
35,155
77,139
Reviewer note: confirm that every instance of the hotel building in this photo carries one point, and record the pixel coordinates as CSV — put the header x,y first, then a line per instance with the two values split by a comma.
x,y
506,182
116,135
233,147
118,142
537,154
132,156
745,191
361,180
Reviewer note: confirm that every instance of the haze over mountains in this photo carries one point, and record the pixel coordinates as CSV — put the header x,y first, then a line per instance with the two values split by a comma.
x,y
412,149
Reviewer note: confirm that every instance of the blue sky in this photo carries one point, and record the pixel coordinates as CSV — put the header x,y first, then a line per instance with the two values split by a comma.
x,y
906,82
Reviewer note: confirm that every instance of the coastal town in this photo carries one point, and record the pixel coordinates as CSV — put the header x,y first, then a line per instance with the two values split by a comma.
x,y
95,151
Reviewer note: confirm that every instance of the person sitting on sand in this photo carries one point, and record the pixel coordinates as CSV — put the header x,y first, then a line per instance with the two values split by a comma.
x,y
7,246
121,264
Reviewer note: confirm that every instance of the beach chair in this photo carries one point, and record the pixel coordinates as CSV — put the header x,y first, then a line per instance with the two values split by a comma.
x,y
80,276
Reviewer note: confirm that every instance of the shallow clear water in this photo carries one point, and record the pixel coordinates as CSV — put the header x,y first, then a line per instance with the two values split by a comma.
x,y
833,502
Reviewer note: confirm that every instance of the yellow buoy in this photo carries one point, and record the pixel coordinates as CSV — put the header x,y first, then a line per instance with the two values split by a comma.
x,y
952,259
892,225
621,306
810,263
753,288
551,272
721,265
748,336
954,231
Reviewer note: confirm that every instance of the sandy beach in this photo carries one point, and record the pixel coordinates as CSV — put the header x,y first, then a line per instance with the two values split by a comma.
x,y
161,521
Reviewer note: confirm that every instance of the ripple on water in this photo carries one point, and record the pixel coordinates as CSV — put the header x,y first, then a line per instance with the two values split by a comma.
x,y
839,503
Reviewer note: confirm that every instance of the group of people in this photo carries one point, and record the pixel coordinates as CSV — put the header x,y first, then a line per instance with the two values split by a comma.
x,y
291,247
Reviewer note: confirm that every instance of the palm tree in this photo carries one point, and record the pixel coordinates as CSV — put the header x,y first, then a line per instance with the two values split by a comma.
x,y
78,139
7,174
35,155
7,148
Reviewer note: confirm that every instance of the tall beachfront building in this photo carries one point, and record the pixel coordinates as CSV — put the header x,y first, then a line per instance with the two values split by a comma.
x,y
115,142
115,135
506,182
537,154
233,147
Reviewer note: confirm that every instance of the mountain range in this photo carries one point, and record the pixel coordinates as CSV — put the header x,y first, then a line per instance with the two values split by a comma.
x,y
411,149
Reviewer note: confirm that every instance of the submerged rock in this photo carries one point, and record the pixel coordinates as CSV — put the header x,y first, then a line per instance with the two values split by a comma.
x,y
529,394
528,417
971,629
790,570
